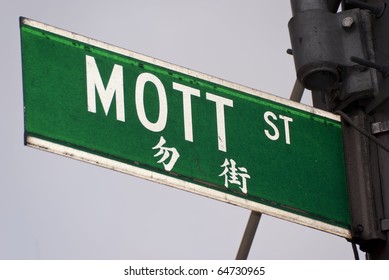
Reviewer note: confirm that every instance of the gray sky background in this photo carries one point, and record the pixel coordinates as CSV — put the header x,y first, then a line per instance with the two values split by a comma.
x,y
53,207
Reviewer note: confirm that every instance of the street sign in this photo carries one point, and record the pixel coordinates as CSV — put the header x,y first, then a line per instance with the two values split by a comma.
x,y
121,110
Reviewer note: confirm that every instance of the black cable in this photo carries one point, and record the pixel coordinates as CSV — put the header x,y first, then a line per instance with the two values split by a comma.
x,y
355,250
362,131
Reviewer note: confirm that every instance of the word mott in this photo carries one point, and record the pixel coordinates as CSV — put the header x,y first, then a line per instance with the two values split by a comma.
x,y
115,89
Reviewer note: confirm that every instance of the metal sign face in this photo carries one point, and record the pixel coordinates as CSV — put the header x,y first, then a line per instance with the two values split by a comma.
x,y
115,108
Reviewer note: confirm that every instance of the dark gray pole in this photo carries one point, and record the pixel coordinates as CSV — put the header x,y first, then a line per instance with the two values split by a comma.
x,y
380,121
297,92
248,235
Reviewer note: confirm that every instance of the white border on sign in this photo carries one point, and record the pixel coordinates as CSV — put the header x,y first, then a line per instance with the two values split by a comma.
x,y
183,185
177,68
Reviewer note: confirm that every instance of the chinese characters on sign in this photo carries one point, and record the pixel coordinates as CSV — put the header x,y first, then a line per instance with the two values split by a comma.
x,y
232,174
235,175
166,153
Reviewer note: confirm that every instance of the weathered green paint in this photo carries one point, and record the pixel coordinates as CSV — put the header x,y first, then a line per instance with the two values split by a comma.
x,y
305,177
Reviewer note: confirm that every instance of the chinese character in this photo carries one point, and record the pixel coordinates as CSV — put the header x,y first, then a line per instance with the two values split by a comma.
x,y
166,153
234,175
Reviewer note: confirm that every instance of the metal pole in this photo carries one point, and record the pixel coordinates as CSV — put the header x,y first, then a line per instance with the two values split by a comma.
x,y
380,250
248,235
297,92
367,163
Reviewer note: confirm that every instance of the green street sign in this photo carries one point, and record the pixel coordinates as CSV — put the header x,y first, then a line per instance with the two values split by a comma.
x,y
121,110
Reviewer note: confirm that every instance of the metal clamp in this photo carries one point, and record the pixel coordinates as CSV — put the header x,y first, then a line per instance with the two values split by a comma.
x,y
379,127
385,225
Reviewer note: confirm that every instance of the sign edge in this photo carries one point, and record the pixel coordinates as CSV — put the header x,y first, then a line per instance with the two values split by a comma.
x,y
177,68
83,156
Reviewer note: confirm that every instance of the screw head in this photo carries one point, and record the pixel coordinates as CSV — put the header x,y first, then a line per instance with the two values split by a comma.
x,y
347,22
358,229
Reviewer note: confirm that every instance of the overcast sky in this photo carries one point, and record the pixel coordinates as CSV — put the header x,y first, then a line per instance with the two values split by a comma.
x,y
53,207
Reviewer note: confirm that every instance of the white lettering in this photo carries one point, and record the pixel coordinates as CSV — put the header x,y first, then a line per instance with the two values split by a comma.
x,y
220,119
276,134
187,92
287,120
160,124
115,84
115,88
